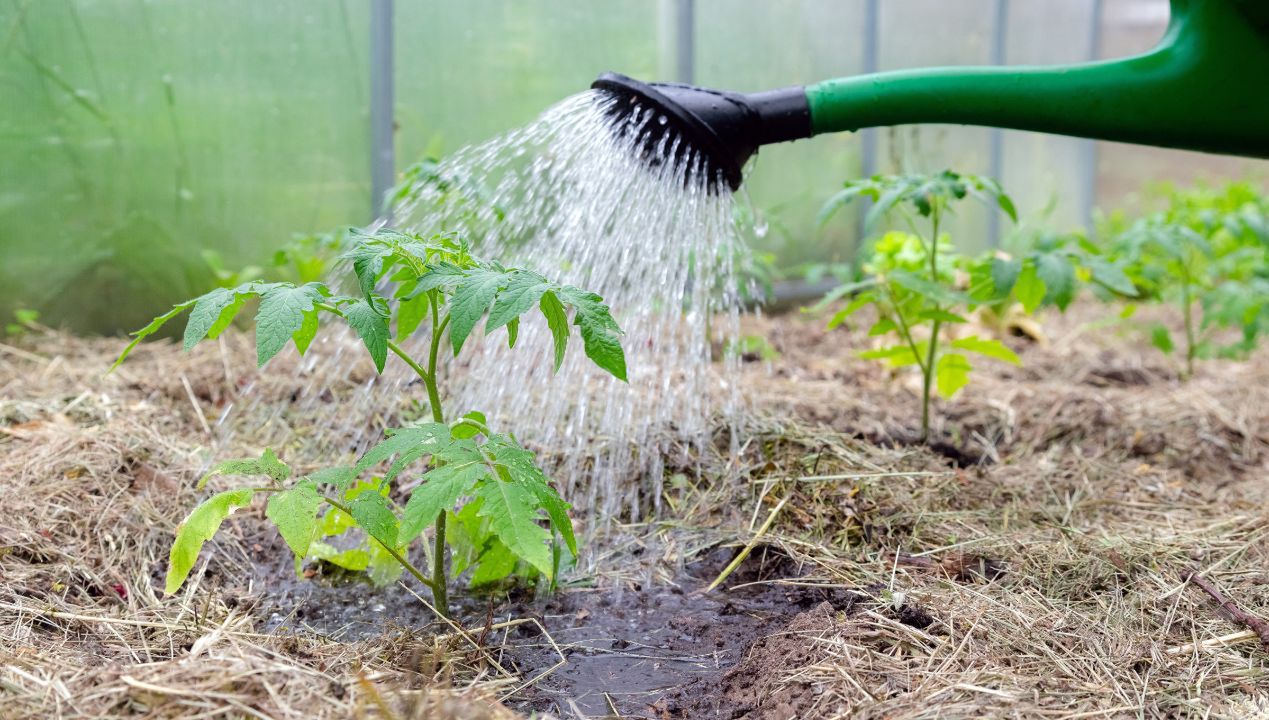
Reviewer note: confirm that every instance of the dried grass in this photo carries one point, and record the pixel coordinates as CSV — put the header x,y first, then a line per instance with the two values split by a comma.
x,y
1051,576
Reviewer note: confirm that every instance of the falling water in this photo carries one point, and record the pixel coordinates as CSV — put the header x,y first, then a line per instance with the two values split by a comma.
x,y
572,199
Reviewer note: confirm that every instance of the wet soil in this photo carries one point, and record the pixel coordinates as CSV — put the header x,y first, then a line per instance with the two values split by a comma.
x,y
660,651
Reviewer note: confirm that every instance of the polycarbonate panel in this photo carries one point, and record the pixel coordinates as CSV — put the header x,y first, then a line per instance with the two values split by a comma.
x,y
469,70
934,33
1047,175
137,134
752,45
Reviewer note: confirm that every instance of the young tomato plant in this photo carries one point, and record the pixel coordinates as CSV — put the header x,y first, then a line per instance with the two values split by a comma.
x,y
911,280
1209,250
481,492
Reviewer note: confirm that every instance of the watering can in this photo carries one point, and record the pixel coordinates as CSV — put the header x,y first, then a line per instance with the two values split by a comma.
x,y
1204,87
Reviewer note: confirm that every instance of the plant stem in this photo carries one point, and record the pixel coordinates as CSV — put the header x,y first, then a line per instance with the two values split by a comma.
x,y
927,379
440,584
409,566
1191,345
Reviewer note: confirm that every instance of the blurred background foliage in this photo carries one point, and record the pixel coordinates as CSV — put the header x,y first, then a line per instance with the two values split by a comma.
x,y
152,146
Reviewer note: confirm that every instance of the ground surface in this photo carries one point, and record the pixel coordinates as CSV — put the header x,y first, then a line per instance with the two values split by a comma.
x,y
1031,565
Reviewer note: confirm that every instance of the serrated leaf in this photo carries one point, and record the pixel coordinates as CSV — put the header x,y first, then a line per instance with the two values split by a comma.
x,y
557,321
371,511
294,512
521,466
927,289
522,291
513,332
196,529
267,464
471,300
371,325
441,490
207,311
407,444
340,476
987,348
281,315
952,373
512,513
308,330
601,338
149,330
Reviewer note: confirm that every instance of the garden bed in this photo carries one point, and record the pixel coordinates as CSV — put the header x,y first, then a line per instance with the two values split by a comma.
x,y
1032,565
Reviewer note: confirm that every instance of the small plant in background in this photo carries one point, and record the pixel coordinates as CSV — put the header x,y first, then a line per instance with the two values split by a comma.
x,y
483,494
1208,251
24,322
1047,272
911,280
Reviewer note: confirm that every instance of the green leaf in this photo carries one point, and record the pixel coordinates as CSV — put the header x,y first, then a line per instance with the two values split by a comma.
x,y
1058,275
462,431
441,490
410,314
1029,289
355,559
308,330
294,512
1161,338
897,356
1004,275
371,511
471,299
512,512
1111,277
841,315
407,444
942,316
267,464
341,476
557,320
206,313
521,466
952,373
281,315
601,338
927,289
149,330
513,332
987,348
522,292
371,325
197,528
495,563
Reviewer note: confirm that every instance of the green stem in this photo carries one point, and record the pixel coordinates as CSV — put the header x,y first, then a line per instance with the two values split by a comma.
x,y
927,379
1191,344
440,584
409,566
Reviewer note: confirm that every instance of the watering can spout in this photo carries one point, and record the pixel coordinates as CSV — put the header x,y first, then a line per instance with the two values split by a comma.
x,y
1202,88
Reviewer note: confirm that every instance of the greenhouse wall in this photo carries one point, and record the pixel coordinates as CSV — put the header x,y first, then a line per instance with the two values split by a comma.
x,y
149,144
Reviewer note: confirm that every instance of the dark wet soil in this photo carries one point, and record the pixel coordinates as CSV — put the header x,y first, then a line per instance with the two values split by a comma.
x,y
635,652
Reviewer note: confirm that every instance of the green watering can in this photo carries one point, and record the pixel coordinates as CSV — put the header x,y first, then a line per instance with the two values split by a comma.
x,y
1205,87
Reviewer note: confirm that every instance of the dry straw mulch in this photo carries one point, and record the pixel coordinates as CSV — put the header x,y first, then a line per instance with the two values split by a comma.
x,y
1046,578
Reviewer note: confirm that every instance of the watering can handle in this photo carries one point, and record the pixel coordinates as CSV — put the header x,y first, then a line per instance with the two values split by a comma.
x,y
1202,88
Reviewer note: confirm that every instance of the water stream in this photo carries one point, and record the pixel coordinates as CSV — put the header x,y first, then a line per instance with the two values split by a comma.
x,y
568,197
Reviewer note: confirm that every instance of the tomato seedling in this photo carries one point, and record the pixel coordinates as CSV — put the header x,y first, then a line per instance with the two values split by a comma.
x,y
502,513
